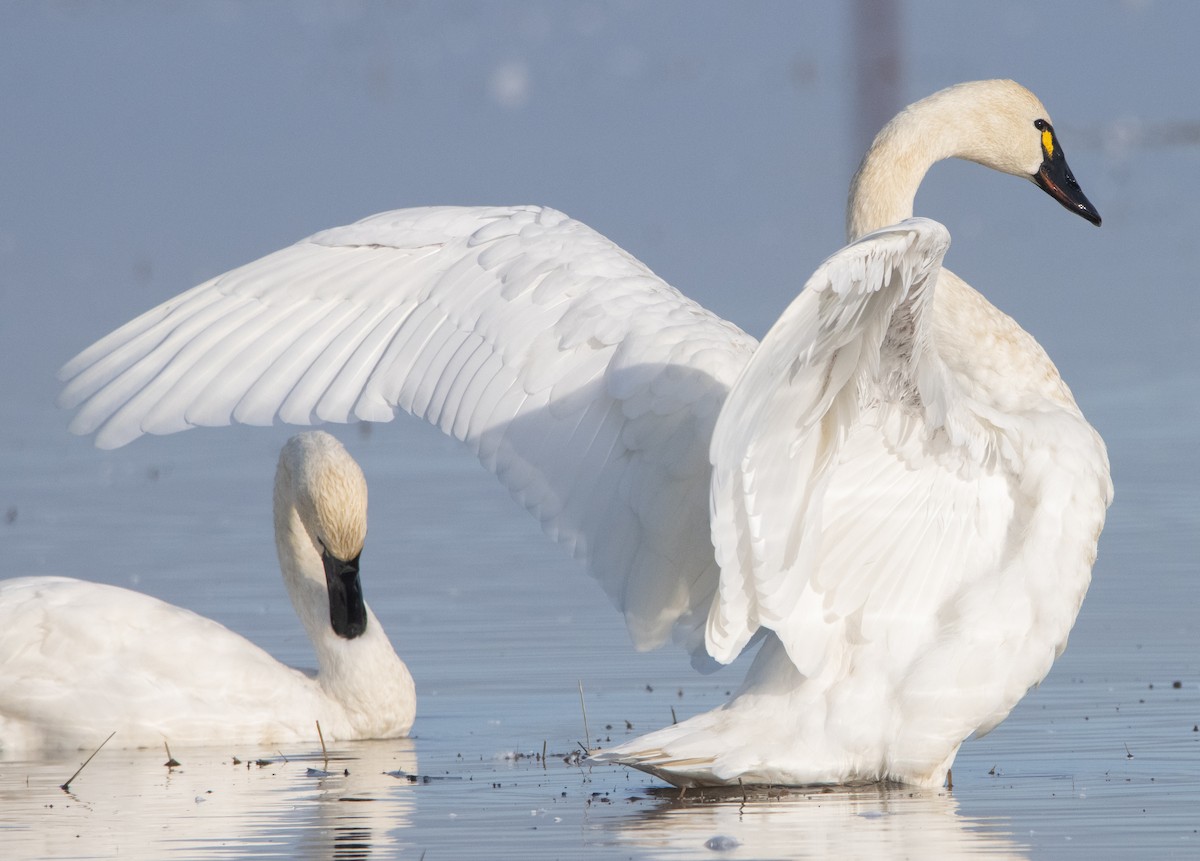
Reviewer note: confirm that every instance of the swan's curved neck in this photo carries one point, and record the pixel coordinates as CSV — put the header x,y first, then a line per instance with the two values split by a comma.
x,y
941,126
301,566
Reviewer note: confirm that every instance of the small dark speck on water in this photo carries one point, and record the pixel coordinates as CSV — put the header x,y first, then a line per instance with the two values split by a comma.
x,y
10,516
1177,685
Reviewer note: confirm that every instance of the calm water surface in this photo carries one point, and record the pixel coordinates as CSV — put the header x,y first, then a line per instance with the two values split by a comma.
x,y
499,629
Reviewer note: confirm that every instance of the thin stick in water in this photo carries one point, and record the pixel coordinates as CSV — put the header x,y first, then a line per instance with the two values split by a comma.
x,y
586,735
324,752
66,787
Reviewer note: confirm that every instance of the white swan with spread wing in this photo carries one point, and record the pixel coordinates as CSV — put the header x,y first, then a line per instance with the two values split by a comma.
x,y
895,491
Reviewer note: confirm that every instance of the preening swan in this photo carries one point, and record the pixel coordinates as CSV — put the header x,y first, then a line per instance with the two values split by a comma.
x,y
79,660
895,491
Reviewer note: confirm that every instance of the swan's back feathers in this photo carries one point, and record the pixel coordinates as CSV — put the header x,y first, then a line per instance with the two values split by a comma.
x,y
586,383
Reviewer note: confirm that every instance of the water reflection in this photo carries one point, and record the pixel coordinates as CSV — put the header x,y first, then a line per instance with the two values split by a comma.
x,y
867,822
214,805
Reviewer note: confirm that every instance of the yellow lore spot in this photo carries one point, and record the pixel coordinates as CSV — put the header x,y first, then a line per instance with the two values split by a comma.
x,y
1048,143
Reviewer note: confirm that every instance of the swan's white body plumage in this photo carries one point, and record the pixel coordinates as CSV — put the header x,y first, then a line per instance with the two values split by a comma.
x,y
895,490
81,660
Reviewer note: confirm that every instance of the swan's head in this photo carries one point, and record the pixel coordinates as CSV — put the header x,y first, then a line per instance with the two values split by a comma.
x,y
323,484
998,124
1009,129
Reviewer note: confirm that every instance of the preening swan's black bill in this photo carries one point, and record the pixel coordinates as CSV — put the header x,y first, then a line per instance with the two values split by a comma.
x,y
1056,179
347,611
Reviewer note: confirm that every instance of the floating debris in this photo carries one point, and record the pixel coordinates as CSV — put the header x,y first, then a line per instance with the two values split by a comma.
x,y
400,774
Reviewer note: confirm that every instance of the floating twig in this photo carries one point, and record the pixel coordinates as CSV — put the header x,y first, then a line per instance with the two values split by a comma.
x,y
543,754
674,720
66,787
171,761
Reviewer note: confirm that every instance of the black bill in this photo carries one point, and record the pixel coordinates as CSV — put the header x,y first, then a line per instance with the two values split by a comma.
x,y
347,611
1056,179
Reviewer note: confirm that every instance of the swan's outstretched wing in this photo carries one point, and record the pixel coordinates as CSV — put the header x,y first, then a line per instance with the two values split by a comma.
x,y
586,383
846,504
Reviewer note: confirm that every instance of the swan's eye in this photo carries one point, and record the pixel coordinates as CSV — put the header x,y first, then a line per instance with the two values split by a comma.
x,y
1047,136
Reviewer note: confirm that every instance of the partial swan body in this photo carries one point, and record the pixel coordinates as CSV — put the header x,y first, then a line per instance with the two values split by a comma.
x,y
895,491
81,660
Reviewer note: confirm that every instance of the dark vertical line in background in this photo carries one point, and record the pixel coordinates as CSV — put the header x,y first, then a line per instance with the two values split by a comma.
x,y
876,52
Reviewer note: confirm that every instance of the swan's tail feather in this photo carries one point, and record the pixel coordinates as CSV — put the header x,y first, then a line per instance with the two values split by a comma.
x,y
682,772
682,755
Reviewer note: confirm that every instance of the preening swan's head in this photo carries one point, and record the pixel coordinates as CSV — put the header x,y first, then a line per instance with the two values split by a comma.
x,y
321,483
330,492
998,124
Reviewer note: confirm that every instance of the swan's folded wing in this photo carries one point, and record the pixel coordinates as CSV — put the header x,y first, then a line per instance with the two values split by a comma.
x,y
74,654
586,383
824,472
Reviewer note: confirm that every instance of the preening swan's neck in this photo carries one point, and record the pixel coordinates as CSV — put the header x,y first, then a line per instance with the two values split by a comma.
x,y
301,566
954,123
